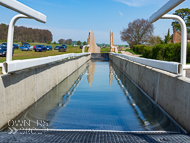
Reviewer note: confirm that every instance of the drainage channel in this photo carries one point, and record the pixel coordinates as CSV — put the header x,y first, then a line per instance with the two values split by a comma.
x,y
97,103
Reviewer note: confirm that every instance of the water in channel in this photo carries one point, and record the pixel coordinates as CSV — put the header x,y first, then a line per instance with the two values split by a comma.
x,y
96,97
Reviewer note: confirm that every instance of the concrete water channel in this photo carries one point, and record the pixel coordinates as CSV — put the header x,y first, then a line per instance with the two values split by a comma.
x,y
96,97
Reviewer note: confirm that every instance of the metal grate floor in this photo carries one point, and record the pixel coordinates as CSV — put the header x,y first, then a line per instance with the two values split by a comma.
x,y
93,137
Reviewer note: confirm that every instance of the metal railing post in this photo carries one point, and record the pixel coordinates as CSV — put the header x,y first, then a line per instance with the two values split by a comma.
x,y
11,35
183,38
83,48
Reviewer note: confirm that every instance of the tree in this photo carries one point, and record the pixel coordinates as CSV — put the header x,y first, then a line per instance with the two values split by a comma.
x,y
61,41
26,34
167,37
184,13
138,32
155,40
84,43
78,42
49,42
54,42
69,41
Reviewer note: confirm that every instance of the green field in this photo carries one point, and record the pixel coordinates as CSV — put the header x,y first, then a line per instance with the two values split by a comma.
x,y
19,55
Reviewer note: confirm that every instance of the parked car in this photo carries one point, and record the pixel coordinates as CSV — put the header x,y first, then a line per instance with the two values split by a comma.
x,y
16,46
62,49
25,47
75,45
64,46
56,48
81,46
4,44
3,50
25,43
49,47
40,48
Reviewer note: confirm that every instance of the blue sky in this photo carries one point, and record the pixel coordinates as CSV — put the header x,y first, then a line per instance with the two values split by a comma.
x,y
74,18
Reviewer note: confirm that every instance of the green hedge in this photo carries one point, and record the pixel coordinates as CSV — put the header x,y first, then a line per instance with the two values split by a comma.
x,y
167,52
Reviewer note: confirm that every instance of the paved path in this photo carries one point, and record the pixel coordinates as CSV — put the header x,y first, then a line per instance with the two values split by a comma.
x,y
129,53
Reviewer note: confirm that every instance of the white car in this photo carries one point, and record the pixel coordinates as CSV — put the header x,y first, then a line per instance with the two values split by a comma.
x,y
75,45
31,48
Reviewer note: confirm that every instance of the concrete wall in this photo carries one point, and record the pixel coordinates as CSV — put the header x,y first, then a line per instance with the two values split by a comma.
x,y
170,91
22,89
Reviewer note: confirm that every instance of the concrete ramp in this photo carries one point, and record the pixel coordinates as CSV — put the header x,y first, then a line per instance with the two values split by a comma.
x,y
92,42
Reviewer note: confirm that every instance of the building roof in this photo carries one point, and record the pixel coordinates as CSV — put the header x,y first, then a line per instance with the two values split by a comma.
x,y
188,36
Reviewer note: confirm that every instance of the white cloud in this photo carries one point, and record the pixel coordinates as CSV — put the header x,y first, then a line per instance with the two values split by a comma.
x,y
139,3
121,13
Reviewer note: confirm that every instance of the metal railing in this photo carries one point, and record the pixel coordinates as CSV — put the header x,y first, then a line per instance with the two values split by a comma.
x,y
161,14
172,67
17,65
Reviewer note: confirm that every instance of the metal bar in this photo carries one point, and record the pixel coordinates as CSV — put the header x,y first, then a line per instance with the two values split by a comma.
x,y
83,48
172,67
183,38
17,65
165,9
116,50
186,67
23,9
11,35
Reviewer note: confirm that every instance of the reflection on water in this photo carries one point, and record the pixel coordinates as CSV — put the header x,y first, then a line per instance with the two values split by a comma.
x,y
111,75
112,102
91,72
151,117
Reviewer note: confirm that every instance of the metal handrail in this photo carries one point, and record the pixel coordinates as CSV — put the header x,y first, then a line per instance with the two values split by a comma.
x,y
17,65
172,67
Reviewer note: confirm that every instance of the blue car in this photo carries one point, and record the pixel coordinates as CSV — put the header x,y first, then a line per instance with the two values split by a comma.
x,y
25,47
4,44
49,48
3,50
40,48
62,49
16,46
56,48
64,46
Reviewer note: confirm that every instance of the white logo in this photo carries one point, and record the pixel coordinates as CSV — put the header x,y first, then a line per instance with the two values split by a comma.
x,y
13,130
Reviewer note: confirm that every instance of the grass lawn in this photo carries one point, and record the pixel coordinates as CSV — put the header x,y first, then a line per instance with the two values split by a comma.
x,y
19,55
103,50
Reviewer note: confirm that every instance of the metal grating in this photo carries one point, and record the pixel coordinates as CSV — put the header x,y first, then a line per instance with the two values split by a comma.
x,y
93,137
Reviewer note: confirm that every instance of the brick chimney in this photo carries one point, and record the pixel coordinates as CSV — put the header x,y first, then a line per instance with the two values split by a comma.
x,y
174,34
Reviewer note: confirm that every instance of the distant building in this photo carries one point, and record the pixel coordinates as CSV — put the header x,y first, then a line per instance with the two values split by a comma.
x,y
177,36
